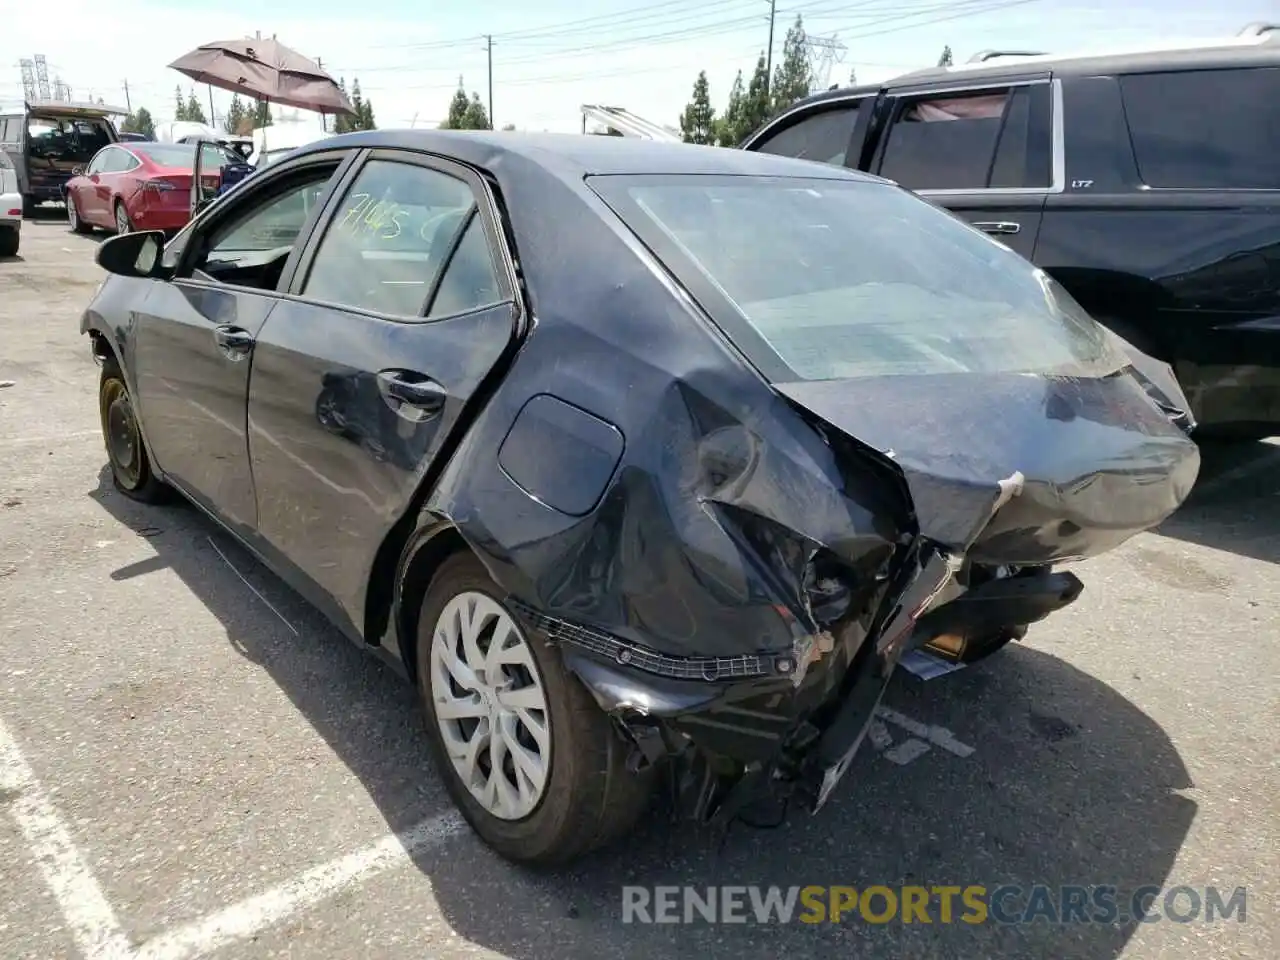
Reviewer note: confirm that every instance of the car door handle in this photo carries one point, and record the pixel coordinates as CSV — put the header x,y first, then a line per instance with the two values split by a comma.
x,y
404,388
234,342
998,226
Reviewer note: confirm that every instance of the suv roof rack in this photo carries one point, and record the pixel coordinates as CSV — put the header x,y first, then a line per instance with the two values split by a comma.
x,y
982,56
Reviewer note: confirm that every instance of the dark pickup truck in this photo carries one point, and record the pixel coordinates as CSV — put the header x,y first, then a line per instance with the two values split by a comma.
x,y
1147,184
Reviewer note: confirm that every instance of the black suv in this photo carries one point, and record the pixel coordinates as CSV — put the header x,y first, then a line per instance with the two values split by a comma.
x,y
1148,184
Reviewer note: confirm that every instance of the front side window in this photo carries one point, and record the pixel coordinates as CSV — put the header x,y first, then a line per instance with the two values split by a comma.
x,y
831,279
971,141
1206,129
251,248
390,238
823,137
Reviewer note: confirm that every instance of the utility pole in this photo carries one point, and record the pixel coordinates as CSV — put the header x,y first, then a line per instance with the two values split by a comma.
x,y
768,60
488,47
324,117
128,104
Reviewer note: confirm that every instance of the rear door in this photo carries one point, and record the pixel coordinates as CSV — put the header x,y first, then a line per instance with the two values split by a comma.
x,y
985,153
364,378
93,207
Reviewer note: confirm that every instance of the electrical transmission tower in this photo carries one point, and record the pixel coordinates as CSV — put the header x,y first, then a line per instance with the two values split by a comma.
x,y
42,77
824,53
28,79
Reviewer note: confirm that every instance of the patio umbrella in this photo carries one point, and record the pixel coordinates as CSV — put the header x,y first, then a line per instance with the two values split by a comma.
x,y
267,70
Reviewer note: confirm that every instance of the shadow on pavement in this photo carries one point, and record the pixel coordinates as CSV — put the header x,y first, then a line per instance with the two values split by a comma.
x,y
1235,505
1069,784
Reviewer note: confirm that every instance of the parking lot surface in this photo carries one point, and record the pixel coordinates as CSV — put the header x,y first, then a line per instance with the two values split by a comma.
x,y
192,763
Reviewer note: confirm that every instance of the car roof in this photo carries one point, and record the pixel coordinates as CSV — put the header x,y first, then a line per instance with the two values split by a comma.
x,y
1249,49
571,156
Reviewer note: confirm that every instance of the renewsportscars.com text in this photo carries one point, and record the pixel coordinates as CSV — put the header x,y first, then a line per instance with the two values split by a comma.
x,y
972,904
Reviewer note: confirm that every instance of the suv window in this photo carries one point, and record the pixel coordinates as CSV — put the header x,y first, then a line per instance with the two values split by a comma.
x,y
1205,129
971,141
389,238
820,136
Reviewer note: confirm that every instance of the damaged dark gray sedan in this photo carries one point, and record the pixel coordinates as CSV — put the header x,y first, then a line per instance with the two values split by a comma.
x,y
646,463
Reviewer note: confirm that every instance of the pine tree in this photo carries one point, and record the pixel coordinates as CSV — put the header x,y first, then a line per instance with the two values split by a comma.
x,y
755,105
357,103
195,112
946,60
476,117
456,120
793,76
697,123
140,121
235,117
180,105
729,132
367,121
342,121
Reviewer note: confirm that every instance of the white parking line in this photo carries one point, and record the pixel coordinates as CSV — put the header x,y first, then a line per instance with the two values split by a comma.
x,y
93,923
248,917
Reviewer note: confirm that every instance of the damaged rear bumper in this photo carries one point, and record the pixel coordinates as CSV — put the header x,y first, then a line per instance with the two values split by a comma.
x,y
733,730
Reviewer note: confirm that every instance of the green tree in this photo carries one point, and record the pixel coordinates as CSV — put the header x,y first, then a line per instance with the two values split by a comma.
x,y
179,105
457,118
697,123
946,59
755,105
793,76
195,112
476,117
357,103
729,132
140,121
262,114
235,117
341,121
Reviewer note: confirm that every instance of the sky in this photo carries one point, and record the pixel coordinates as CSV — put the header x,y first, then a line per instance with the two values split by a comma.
x,y
551,57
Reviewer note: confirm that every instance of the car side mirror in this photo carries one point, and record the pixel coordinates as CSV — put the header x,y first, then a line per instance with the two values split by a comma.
x,y
134,255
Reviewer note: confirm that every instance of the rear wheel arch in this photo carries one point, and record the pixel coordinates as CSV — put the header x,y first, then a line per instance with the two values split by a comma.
x,y
403,569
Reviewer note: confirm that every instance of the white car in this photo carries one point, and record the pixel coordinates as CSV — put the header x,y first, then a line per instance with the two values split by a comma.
x,y
10,208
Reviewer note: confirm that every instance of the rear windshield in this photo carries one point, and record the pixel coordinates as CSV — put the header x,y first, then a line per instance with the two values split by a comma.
x,y
184,154
828,279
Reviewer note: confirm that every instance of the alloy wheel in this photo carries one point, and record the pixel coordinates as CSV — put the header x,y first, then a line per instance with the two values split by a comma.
x,y
122,219
490,705
73,217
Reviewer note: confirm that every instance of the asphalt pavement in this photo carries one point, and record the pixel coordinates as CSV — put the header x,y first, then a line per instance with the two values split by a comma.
x,y
193,763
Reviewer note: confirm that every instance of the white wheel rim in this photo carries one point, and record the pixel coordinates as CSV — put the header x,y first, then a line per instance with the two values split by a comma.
x,y
71,210
122,220
490,705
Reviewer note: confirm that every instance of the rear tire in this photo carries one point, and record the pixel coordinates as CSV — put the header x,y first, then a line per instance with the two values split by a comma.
x,y
126,453
9,240
73,217
123,223
585,796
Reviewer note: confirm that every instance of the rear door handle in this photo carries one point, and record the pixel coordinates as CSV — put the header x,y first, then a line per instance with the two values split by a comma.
x,y
998,226
234,342
419,393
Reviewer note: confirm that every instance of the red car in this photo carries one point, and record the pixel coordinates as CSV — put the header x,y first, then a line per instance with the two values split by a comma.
x,y
139,186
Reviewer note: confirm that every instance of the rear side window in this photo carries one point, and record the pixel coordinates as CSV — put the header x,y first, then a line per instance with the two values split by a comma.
x,y
971,141
1208,129
830,279
390,238
822,136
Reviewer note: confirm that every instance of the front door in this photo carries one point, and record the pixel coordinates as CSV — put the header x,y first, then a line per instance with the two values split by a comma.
x,y
984,154
196,335
362,383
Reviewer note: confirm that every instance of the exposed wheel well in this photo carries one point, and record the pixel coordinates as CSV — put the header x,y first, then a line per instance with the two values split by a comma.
x,y
418,574
101,346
